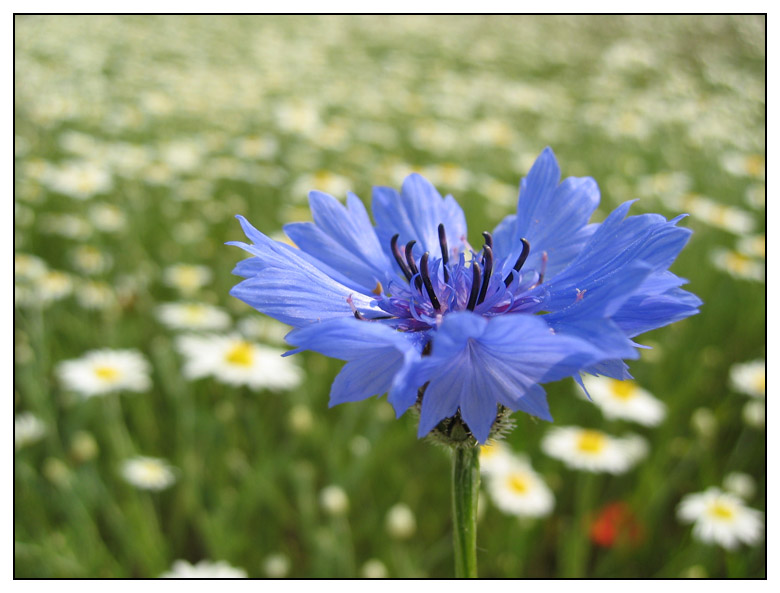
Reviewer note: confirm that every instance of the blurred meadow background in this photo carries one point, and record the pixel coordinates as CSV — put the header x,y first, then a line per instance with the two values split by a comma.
x,y
157,432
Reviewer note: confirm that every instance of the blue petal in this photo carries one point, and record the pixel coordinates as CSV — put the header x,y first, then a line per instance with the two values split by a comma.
x,y
344,239
415,214
552,217
347,338
476,363
375,354
648,239
289,288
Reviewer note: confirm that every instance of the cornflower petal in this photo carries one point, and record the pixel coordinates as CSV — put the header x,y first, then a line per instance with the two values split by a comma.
x,y
477,363
343,238
553,217
415,215
373,351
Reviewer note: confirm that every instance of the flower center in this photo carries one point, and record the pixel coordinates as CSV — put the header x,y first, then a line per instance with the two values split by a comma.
x,y
107,373
194,313
624,390
152,471
481,271
240,355
759,383
591,441
720,510
488,451
518,484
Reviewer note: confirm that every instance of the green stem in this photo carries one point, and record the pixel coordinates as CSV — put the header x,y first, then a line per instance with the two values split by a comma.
x,y
465,494
578,542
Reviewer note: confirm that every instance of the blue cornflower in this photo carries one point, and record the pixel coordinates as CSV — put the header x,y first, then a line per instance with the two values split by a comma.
x,y
416,311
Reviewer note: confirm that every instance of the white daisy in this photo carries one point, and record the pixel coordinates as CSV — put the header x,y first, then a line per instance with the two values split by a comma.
x,y
592,450
192,316
80,179
625,400
519,490
104,371
89,260
721,518
186,278
107,218
738,265
234,361
749,378
204,569
148,473
495,457
28,428
95,295
276,566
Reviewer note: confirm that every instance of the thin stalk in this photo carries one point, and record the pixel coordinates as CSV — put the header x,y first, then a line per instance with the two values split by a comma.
x,y
577,540
465,494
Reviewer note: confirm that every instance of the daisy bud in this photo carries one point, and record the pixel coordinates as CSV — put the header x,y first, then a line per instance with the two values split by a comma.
x,y
754,414
743,485
334,500
300,419
704,422
373,569
83,447
276,566
400,522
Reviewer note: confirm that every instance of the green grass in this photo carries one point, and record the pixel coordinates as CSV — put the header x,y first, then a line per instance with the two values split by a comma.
x,y
619,99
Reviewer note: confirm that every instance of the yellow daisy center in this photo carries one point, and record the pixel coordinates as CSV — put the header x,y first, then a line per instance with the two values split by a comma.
x,y
152,470
107,373
241,354
518,483
737,262
487,451
754,165
591,441
188,278
759,383
624,390
194,313
720,510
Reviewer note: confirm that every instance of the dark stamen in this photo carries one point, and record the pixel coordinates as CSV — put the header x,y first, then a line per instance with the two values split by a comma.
x,y
399,258
487,261
488,239
475,278
445,254
412,265
520,260
426,279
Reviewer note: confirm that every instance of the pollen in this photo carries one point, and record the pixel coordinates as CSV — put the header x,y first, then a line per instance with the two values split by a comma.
x,y
721,511
241,354
591,441
107,373
624,390
377,289
518,483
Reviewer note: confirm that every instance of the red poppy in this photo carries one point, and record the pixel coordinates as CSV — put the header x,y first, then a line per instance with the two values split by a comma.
x,y
615,524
